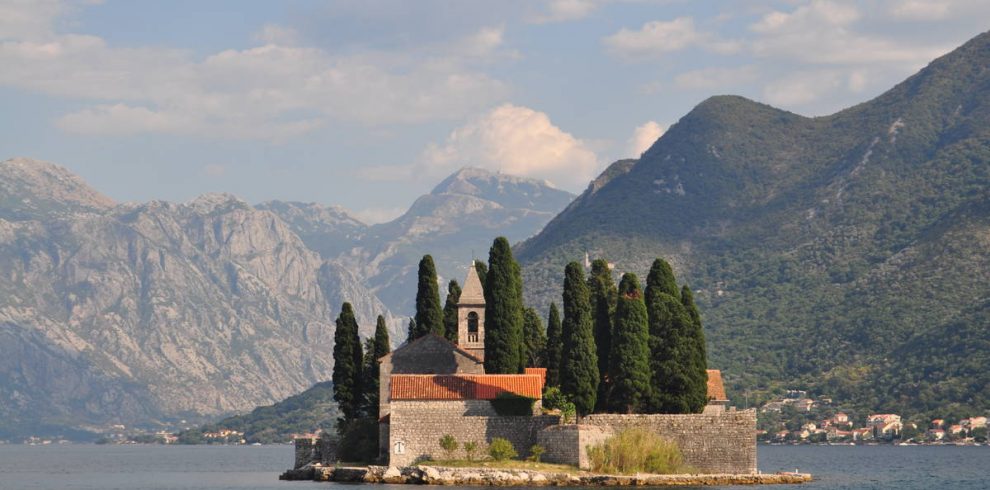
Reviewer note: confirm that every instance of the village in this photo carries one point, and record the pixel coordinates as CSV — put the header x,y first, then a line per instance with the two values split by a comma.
x,y
796,418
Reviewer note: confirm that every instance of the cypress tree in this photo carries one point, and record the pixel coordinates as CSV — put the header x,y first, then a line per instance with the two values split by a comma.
x,y
482,269
450,311
579,363
347,364
629,364
375,348
698,393
555,346
535,339
411,330
503,311
661,279
603,298
429,315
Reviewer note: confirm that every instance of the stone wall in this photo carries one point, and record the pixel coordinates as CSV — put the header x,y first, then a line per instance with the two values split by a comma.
x,y
719,443
322,450
566,444
415,428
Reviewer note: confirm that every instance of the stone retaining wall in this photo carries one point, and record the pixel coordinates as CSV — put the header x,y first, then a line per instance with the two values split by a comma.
x,y
415,429
566,444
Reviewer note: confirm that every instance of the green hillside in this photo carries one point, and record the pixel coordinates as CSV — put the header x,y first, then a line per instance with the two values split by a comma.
x,y
820,247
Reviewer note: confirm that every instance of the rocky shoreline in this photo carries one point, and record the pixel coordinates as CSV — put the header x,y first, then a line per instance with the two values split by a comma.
x,y
500,477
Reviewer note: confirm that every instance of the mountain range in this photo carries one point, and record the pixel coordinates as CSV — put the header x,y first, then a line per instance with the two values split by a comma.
x,y
829,252
151,312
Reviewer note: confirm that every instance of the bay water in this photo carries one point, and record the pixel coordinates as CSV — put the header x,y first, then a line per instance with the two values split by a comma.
x,y
91,467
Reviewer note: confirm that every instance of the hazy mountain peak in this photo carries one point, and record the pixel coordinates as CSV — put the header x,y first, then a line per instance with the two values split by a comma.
x,y
216,201
32,188
471,180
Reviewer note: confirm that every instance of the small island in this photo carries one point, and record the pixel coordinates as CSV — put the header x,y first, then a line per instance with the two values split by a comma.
x,y
617,392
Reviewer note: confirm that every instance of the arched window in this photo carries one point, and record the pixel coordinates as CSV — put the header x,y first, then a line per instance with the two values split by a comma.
x,y
472,320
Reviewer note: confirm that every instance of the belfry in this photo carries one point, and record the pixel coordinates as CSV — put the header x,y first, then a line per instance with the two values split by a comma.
x,y
471,316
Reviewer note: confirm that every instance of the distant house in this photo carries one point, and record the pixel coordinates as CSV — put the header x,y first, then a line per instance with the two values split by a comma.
x,y
885,424
974,422
936,434
955,429
938,423
804,405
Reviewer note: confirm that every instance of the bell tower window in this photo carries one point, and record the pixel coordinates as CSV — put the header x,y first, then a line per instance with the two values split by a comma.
x,y
472,326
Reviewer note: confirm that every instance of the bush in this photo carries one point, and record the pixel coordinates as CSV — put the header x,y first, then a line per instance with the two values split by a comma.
x,y
568,412
553,398
636,451
536,452
449,445
501,449
511,404
470,448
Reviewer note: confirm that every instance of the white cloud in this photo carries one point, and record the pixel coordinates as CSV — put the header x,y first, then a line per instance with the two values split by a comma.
x,y
373,216
822,32
714,78
644,136
518,141
28,19
565,10
657,38
276,34
802,87
273,91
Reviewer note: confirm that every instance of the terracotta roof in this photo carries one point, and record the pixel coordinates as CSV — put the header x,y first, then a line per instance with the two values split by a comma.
x,y
464,386
716,390
541,372
433,336
472,293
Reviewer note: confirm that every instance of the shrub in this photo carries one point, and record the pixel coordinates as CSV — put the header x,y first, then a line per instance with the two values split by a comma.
x,y
470,448
449,445
553,398
511,404
536,452
501,449
568,412
636,451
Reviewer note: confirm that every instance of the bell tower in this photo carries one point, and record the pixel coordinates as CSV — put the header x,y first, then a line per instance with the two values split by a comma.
x,y
471,315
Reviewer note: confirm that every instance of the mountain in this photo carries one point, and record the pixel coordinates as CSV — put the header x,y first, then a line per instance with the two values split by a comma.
x,y
140,312
820,247
455,222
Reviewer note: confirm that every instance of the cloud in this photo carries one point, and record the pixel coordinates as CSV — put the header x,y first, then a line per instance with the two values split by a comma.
x,y
373,216
657,38
28,19
273,91
515,140
713,78
564,10
644,136
822,32
802,87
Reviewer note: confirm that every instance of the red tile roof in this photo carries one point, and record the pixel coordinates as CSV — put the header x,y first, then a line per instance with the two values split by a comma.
x,y
716,390
542,372
464,386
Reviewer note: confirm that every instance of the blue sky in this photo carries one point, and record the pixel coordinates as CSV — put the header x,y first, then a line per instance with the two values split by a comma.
x,y
369,104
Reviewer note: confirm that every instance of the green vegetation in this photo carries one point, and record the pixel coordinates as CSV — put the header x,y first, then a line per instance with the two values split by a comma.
x,y
602,292
501,449
503,311
429,315
555,346
309,411
470,449
534,339
511,404
579,363
347,368
450,311
629,364
375,348
535,453
636,451
449,445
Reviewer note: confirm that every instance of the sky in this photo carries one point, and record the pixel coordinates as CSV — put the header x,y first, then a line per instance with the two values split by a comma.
x,y
369,104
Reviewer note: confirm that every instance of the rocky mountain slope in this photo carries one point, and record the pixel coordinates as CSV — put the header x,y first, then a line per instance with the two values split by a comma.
x,y
459,217
127,313
819,246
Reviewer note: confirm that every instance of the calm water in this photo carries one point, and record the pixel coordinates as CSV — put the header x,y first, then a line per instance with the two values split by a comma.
x,y
215,468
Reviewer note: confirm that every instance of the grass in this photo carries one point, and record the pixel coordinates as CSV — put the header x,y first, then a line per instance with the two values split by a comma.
x,y
509,464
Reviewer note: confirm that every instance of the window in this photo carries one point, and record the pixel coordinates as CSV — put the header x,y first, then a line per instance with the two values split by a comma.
x,y
472,319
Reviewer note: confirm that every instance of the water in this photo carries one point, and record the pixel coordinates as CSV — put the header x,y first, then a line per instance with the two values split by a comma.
x,y
87,467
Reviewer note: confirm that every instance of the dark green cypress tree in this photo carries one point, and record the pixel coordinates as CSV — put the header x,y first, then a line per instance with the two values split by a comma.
x,y
698,393
450,311
629,364
661,279
375,348
347,364
429,314
482,269
579,363
503,311
411,330
603,298
535,339
555,346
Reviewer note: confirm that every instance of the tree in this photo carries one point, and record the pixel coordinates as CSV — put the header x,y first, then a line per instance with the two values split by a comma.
x,y
555,346
429,315
503,311
379,347
661,280
629,363
534,339
347,364
579,363
482,269
450,311
449,445
698,361
411,330
603,298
